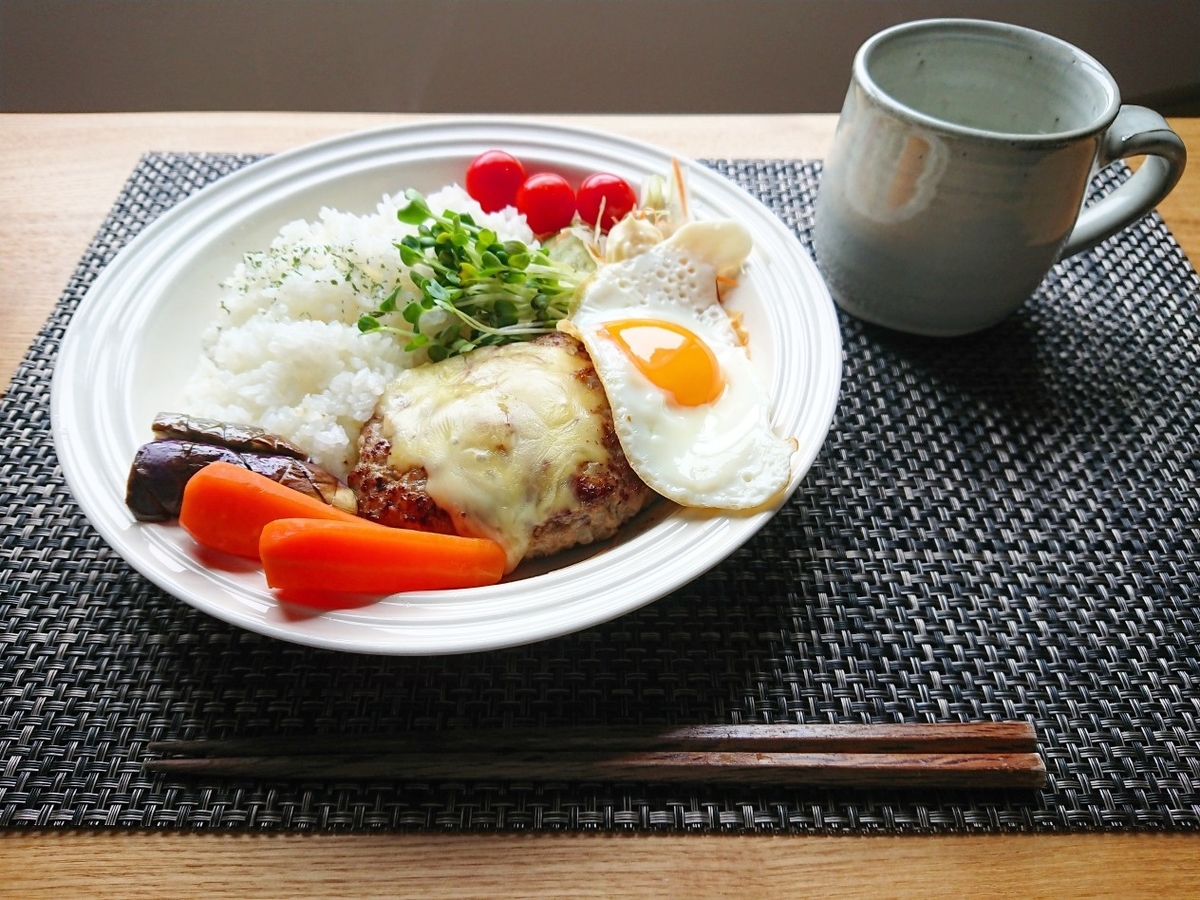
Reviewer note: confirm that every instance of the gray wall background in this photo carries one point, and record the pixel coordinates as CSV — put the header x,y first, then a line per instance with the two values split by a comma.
x,y
525,56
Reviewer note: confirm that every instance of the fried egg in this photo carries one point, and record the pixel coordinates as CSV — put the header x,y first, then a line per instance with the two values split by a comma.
x,y
691,415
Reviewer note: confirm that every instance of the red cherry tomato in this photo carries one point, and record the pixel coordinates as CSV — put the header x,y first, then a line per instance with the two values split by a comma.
x,y
609,192
493,179
547,202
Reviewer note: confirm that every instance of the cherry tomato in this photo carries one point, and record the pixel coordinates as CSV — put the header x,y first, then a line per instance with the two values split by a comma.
x,y
609,192
493,179
547,201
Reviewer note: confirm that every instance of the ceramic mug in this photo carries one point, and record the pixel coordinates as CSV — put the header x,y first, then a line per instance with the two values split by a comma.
x,y
959,168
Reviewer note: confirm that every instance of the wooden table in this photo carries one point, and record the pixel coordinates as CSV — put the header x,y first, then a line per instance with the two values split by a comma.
x,y
59,174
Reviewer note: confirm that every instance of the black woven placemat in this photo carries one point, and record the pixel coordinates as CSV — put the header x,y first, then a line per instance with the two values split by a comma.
x,y
1001,526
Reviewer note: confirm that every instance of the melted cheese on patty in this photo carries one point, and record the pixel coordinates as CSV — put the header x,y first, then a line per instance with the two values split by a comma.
x,y
500,436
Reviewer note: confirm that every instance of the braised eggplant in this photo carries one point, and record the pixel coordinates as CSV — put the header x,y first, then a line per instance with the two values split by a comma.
x,y
161,468
242,438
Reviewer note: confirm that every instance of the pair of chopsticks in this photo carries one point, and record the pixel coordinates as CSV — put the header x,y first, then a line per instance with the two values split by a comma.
x,y
980,754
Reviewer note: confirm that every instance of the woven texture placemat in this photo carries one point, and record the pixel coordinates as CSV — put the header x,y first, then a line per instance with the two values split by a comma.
x,y
1001,526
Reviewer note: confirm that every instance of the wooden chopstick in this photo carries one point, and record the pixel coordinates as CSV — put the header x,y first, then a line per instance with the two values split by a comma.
x,y
1002,770
980,754
939,737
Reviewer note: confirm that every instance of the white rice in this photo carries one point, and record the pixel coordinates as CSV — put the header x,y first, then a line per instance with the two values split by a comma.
x,y
284,351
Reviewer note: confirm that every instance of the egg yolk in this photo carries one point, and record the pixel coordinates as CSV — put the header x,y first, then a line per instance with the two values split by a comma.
x,y
672,357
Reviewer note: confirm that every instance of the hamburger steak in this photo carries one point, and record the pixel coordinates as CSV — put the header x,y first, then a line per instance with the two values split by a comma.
x,y
513,443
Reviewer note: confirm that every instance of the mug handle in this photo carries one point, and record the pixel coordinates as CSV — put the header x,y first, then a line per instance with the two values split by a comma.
x,y
1136,131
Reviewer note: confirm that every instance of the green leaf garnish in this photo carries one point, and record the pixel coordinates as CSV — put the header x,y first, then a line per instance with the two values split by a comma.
x,y
494,293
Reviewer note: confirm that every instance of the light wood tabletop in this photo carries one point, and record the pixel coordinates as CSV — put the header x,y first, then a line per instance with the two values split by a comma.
x,y
59,175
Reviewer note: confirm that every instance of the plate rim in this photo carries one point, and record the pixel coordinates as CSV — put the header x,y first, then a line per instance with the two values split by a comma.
x,y
258,176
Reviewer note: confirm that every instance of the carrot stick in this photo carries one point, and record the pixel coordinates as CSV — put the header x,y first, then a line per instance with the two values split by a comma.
x,y
311,556
679,186
225,508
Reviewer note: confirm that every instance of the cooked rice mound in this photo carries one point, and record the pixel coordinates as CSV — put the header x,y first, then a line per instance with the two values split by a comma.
x,y
284,351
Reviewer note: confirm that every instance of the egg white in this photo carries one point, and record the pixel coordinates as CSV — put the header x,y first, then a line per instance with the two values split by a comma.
x,y
722,454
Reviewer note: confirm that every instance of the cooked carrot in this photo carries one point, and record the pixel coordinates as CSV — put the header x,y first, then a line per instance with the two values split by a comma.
x,y
343,558
225,508
679,186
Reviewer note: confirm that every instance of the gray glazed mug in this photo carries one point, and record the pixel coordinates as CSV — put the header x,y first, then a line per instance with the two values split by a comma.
x,y
959,169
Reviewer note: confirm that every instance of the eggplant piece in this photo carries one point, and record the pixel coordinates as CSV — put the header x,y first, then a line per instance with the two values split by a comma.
x,y
241,438
161,469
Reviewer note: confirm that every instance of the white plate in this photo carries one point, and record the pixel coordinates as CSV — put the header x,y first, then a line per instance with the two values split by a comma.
x,y
135,340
